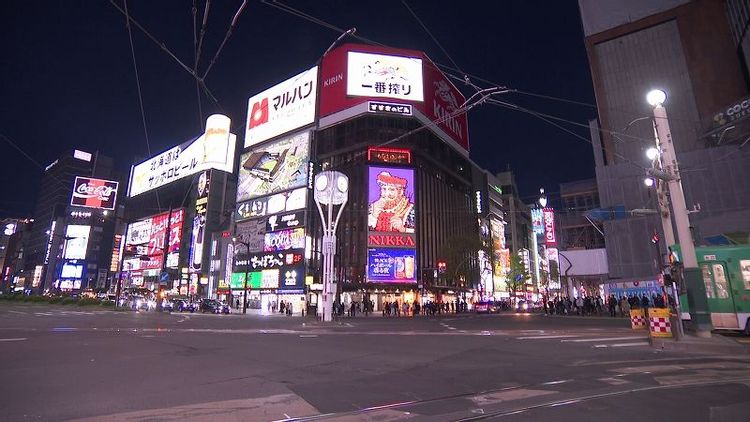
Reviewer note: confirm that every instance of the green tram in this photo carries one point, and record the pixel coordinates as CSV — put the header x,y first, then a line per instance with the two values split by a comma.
x,y
726,275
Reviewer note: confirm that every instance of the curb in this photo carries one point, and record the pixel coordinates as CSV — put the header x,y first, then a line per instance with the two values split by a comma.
x,y
689,344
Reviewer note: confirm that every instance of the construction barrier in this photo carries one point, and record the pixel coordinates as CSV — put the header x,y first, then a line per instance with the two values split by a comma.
x,y
637,319
659,323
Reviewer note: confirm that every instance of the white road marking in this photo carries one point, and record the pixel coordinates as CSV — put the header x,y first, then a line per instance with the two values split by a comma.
x,y
581,340
308,335
17,312
638,343
614,381
556,382
13,339
546,337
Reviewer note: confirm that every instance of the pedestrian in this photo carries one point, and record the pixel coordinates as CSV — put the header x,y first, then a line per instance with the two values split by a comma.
x,y
612,306
625,307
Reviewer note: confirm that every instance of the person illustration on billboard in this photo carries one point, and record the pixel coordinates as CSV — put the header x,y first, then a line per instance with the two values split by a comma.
x,y
392,211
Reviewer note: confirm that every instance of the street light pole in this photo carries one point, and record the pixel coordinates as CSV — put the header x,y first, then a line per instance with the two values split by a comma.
x,y
696,290
247,272
331,188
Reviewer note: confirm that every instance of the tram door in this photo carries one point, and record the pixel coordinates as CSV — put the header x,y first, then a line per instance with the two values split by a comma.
x,y
719,294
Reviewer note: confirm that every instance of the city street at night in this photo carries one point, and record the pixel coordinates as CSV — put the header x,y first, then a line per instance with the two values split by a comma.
x,y
71,363
288,210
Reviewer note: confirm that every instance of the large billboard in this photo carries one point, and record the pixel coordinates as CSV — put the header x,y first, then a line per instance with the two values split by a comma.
x,y
281,202
199,221
391,200
94,193
282,108
384,76
212,150
148,237
284,240
345,84
76,241
276,167
391,265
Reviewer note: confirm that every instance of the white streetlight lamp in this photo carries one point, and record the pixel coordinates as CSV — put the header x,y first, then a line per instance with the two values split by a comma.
x,y
652,153
648,182
331,189
542,198
656,97
696,290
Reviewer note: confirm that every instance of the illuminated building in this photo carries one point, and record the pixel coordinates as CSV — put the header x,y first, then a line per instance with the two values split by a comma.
x,y
69,246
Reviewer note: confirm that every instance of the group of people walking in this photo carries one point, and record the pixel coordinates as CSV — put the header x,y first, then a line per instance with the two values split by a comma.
x,y
614,306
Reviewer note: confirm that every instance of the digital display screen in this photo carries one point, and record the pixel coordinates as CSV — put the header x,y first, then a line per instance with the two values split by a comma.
x,y
71,271
391,265
275,167
76,242
391,196
284,240
385,76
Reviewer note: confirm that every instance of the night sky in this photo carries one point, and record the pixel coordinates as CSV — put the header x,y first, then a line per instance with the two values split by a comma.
x,y
67,77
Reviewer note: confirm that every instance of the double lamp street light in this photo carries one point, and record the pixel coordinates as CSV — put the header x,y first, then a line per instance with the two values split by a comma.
x,y
669,172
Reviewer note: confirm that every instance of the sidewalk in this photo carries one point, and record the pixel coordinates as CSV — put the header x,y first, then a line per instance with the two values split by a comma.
x,y
716,344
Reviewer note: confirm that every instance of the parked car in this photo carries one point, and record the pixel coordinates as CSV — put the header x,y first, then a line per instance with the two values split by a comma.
x,y
482,307
137,302
214,306
184,305
523,306
165,305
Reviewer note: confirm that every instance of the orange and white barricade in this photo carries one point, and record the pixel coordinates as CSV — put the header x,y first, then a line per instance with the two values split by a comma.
x,y
637,319
658,322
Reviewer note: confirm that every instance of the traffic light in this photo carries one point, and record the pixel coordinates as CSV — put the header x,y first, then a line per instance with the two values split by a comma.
x,y
441,265
655,238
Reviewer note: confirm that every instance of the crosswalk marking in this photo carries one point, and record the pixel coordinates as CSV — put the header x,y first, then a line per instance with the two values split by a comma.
x,y
638,343
580,340
547,337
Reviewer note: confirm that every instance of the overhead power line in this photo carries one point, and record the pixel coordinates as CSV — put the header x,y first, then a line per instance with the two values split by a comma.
x,y
226,37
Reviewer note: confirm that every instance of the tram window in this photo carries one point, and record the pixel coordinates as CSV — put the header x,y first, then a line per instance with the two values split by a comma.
x,y
720,279
708,282
745,269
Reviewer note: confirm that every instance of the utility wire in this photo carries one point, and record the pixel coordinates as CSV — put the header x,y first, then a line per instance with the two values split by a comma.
x,y
137,79
14,145
195,66
431,36
226,37
138,85
203,32
169,53
549,121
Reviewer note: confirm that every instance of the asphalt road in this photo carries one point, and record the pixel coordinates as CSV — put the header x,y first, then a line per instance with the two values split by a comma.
x,y
86,363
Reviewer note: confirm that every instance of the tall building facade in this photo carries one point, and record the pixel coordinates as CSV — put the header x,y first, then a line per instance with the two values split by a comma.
x,y
69,246
574,229
13,232
389,120
518,228
686,49
175,228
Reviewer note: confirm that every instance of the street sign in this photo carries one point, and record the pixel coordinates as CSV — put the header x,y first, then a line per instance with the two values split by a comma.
x,y
164,277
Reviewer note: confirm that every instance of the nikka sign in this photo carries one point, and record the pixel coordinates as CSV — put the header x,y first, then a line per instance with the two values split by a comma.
x,y
391,240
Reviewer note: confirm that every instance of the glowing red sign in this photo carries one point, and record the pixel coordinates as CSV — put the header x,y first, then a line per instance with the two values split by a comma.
x,y
394,240
549,226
